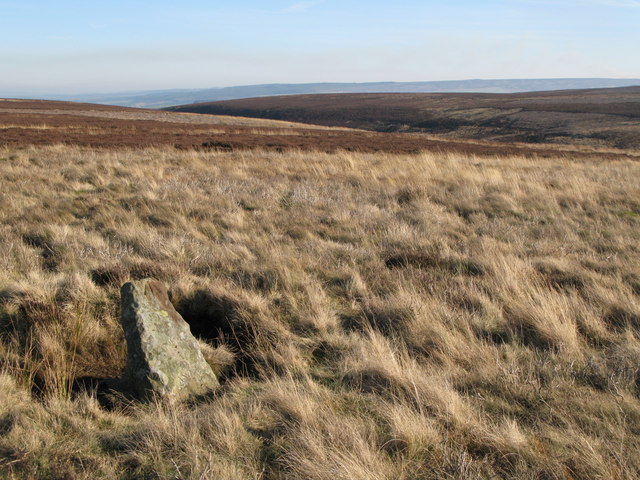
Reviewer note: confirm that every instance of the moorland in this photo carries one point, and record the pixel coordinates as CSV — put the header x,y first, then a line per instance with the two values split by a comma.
x,y
608,117
167,98
376,305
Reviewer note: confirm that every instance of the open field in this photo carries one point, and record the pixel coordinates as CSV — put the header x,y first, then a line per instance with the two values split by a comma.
x,y
443,314
601,117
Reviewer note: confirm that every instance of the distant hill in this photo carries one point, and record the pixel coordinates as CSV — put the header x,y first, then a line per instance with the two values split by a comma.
x,y
165,98
596,117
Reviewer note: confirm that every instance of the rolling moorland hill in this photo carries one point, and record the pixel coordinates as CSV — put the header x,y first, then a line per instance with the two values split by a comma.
x,y
39,122
165,98
600,117
446,310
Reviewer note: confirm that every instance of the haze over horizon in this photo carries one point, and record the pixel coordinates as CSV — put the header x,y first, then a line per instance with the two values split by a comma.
x,y
74,47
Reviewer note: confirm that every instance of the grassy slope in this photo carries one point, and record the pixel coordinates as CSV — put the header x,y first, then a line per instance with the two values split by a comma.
x,y
374,316
601,117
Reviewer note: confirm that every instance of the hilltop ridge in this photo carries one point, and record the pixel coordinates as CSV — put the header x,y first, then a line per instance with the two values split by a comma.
x,y
165,98
595,117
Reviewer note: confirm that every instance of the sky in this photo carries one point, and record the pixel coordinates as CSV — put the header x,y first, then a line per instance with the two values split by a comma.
x,y
67,47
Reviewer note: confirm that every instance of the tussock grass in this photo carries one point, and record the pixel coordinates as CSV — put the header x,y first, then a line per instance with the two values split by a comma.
x,y
372,316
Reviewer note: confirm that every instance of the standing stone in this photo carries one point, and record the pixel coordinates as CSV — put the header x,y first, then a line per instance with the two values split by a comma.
x,y
164,359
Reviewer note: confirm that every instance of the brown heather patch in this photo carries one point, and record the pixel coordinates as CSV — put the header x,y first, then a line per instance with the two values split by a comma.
x,y
373,316
25,123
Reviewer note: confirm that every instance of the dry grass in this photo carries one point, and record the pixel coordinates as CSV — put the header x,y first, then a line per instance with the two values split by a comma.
x,y
162,116
561,148
85,130
372,316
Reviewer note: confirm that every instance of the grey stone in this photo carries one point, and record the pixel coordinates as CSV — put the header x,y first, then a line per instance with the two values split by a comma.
x,y
164,359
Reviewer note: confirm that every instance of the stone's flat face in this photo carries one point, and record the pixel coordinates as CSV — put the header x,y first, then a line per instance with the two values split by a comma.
x,y
164,358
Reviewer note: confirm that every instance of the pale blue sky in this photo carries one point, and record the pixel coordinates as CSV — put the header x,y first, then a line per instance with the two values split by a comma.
x,y
69,46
